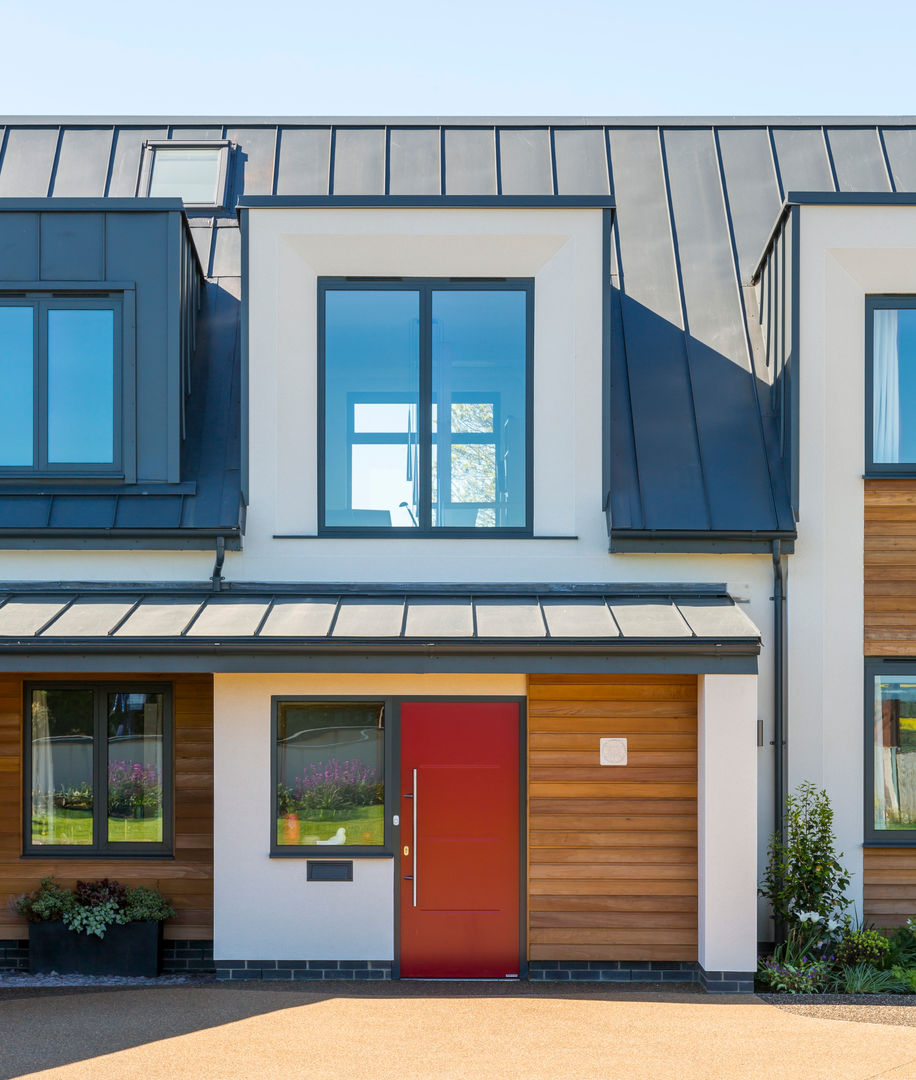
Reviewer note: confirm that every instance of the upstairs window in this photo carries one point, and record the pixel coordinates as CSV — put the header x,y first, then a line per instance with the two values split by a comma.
x,y
60,368
194,172
426,407
891,385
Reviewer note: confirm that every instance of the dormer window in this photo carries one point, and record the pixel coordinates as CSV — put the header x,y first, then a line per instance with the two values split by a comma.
x,y
60,365
194,172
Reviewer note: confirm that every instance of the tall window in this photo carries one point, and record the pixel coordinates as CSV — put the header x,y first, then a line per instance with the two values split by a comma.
x,y
60,369
891,384
98,769
426,406
891,779
329,773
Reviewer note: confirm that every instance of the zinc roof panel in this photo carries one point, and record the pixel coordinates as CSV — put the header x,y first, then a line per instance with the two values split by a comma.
x,y
25,615
581,161
365,618
229,618
82,165
470,161
128,154
413,161
715,619
27,162
525,166
300,617
439,618
359,161
160,616
802,157
900,144
857,159
304,161
649,618
509,619
579,619
91,617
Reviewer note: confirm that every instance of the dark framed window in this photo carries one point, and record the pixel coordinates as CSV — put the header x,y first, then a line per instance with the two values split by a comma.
x,y
330,774
890,385
98,777
61,368
425,414
194,171
890,753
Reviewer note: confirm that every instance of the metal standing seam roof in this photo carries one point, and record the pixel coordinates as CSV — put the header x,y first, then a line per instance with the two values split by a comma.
x,y
264,619
694,447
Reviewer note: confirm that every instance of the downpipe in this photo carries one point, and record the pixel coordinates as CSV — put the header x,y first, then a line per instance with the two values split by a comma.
x,y
779,699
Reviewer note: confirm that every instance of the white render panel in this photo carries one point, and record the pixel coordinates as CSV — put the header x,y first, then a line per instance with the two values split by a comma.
x,y
264,909
847,253
726,822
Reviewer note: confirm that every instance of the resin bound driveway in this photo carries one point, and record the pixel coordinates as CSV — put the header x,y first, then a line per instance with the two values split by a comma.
x,y
430,1031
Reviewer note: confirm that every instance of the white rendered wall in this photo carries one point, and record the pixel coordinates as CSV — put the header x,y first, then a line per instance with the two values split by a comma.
x,y
263,908
726,822
846,253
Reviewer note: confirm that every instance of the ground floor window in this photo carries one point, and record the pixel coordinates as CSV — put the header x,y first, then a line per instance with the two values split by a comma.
x,y
98,768
892,741
329,773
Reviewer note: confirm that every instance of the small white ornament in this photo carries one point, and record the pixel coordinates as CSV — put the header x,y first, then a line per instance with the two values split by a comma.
x,y
613,752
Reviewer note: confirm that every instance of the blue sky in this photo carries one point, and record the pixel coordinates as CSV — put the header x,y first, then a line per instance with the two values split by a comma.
x,y
406,57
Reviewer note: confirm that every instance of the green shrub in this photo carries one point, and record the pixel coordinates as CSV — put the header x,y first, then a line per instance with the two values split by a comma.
x,y
906,976
804,875
869,947
903,945
805,977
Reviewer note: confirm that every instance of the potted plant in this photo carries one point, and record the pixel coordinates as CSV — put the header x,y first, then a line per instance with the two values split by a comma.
x,y
97,928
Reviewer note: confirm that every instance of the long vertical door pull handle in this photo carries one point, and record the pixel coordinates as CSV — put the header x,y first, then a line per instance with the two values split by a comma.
x,y
415,843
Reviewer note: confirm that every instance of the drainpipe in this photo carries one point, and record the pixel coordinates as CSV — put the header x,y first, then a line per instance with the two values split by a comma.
x,y
779,690
216,578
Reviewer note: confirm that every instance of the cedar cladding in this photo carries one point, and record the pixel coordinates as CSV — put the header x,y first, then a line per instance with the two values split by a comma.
x,y
186,880
612,850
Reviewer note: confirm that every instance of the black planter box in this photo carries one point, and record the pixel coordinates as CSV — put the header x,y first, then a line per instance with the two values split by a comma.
x,y
131,949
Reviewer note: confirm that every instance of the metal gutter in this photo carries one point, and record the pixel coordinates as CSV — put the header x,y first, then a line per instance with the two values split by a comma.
x,y
698,541
421,202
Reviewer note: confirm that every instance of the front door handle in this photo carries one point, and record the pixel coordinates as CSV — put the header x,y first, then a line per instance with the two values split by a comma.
x,y
415,841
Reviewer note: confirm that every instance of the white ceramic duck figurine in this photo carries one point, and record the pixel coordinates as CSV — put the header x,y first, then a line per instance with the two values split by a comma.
x,y
340,837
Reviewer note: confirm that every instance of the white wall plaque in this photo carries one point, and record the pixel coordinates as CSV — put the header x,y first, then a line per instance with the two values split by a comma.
x,y
613,752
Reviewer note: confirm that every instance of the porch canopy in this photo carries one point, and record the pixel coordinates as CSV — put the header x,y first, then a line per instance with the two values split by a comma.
x,y
446,628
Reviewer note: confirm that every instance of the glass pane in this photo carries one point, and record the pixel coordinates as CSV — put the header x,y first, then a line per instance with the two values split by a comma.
x,y
331,773
372,364
895,753
62,794
191,175
135,768
894,385
479,402
81,386
17,380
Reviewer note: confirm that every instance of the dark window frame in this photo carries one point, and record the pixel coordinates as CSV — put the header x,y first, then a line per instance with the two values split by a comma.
x,y
425,287
102,847
873,837
884,302
385,850
121,301
150,149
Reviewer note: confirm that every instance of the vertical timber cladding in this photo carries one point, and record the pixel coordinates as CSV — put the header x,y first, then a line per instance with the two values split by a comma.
x,y
187,879
890,632
612,849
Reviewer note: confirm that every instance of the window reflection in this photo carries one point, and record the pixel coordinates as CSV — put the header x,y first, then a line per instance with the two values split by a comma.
x,y
895,753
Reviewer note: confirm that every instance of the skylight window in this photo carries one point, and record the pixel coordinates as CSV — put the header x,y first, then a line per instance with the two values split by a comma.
x,y
194,172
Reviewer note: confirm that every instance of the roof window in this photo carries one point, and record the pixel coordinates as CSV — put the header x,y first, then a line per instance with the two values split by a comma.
x,y
194,172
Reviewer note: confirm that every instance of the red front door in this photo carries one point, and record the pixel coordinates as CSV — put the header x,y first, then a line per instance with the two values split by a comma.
x,y
459,839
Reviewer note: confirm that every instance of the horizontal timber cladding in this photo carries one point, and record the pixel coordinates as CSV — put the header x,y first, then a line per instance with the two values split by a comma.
x,y
612,849
187,879
890,568
890,885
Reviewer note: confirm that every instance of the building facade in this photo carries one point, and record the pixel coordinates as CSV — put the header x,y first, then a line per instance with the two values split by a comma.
x,y
433,549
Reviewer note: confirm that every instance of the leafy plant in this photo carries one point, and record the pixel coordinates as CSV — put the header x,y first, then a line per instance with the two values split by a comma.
x,y
864,979
133,786
804,875
92,906
903,945
809,977
863,947
333,785
906,977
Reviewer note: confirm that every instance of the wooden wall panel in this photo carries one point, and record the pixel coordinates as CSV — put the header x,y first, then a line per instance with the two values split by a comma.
x,y
187,879
612,850
890,568
890,885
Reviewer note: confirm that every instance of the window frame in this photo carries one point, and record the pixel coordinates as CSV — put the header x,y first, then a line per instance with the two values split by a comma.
x,y
150,149
873,837
102,847
337,852
48,298
883,302
425,287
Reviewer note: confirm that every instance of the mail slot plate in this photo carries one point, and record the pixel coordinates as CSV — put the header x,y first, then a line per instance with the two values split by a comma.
x,y
329,870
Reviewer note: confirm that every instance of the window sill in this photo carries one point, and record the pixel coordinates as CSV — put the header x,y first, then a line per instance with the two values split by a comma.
x,y
338,853
63,853
909,841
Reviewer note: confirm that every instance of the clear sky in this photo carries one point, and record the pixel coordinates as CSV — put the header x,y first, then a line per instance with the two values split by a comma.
x,y
440,58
